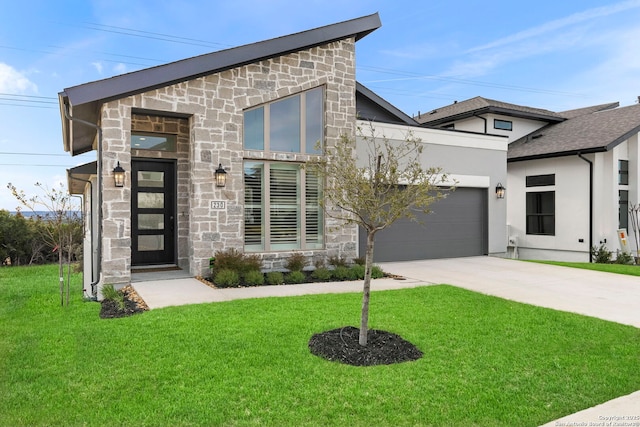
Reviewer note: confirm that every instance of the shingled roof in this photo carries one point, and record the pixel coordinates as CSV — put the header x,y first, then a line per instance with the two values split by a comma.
x,y
585,133
570,114
480,105
84,101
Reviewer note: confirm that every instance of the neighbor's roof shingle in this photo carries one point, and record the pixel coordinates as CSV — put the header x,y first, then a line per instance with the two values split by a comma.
x,y
480,105
570,114
585,133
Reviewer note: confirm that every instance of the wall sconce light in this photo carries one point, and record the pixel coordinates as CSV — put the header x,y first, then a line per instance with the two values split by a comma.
x,y
500,191
118,175
221,176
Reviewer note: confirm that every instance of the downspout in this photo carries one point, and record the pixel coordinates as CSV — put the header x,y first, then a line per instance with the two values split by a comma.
x,y
590,202
485,122
94,283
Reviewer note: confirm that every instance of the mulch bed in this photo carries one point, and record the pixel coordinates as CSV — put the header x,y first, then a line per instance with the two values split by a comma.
x,y
133,304
383,348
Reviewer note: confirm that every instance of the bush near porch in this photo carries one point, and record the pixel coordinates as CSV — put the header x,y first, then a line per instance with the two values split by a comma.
x,y
232,268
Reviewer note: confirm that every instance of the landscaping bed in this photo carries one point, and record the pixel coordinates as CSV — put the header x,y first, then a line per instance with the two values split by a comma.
x,y
131,304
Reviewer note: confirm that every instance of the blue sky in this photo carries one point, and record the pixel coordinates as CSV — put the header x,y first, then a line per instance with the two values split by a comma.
x,y
556,55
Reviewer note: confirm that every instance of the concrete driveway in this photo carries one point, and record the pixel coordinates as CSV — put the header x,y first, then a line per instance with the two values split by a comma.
x,y
608,296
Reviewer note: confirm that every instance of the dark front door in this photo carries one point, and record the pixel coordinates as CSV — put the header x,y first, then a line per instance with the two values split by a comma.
x,y
153,212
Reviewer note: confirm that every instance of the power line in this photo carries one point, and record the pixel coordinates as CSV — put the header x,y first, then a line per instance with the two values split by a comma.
x,y
29,106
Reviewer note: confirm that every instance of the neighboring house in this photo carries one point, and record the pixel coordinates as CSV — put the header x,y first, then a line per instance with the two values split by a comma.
x,y
572,175
253,115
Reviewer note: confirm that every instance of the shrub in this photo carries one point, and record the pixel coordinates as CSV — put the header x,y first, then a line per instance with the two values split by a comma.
x,y
341,272
359,261
226,278
319,263
601,254
232,259
337,262
321,273
295,277
376,272
254,278
275,278
624,258
356,272
251,262
296,262
111,294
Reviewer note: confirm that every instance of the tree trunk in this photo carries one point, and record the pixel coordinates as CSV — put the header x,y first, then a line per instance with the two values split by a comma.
x,y
364,319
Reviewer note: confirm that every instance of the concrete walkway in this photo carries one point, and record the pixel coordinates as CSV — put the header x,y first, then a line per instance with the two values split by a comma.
x,y
606,296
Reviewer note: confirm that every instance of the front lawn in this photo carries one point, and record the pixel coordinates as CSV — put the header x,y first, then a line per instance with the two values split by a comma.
x,y
487,361
631,270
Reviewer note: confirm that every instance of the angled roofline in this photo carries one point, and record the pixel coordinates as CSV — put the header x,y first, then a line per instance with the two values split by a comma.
x,y
198,66
384,104
601,149
83,102
495,110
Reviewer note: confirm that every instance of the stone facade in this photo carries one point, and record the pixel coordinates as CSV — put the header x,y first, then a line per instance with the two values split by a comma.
x,y
207,115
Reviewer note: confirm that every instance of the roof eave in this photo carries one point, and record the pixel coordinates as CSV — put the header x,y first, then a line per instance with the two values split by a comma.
x,y
191,68
556,154
383,103
495,110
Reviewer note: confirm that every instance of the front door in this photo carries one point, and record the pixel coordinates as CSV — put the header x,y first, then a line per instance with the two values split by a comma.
x,y
153,212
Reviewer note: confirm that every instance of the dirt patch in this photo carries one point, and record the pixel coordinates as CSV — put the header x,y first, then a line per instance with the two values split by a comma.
x,y
383,348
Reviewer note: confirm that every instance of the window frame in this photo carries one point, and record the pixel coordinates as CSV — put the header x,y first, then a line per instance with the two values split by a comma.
x,y
305,121
540,214
508,127
304,207
169,136
623,172
623,209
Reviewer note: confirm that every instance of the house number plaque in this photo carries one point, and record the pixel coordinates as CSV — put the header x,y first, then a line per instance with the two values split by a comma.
x,y
218,204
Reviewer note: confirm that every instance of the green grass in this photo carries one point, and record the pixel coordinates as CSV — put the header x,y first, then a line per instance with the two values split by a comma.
x,y
631,270
487,361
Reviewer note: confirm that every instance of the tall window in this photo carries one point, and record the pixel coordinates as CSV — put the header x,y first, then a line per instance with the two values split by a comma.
x,y
623,209
293,125
541,218
282,199
623,172
282,207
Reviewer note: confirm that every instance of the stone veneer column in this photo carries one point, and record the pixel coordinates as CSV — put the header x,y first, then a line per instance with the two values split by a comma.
x,y
116,202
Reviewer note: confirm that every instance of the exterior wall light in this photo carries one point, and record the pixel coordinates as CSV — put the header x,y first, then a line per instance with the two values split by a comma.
x,y
118,176
221,176
500,191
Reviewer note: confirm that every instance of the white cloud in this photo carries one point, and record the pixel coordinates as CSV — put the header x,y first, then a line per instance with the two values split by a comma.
x,y
120,68
98,66
558,24
13,81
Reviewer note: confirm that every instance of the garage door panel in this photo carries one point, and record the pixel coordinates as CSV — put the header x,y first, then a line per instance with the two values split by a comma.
x,y
456,228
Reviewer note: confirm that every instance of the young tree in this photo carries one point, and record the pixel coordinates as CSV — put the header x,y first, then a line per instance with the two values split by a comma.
x,y
60,224
384,182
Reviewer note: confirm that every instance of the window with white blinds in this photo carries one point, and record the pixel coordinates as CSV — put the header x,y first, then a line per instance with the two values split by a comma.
x,y
282,207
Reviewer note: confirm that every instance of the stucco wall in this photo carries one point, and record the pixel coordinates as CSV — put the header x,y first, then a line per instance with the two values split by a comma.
x,y
571,240
213,106
473,160
521,127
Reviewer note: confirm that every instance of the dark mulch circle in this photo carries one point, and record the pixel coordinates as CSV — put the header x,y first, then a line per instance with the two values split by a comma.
x,y
383,348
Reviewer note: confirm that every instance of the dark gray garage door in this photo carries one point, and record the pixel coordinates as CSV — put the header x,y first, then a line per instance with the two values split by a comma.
x,y
456,228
